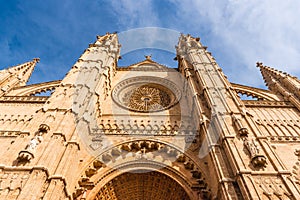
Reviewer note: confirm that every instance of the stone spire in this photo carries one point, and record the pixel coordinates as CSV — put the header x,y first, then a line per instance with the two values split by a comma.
x,y
16,76
92,71
282,83
72,111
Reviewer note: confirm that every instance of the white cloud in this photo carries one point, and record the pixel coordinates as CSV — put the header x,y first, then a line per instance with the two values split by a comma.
x,y
148,37
248,31
238,32
133,14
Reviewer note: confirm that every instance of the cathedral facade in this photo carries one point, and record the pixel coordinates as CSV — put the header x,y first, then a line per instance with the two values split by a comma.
x,y
148,132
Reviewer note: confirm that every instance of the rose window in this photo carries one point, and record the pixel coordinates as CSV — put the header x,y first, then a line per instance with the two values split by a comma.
x,y
146,98
145,95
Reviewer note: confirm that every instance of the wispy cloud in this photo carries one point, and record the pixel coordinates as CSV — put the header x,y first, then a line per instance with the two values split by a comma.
x,y
57,32
238,32
242,32
134,14
140,32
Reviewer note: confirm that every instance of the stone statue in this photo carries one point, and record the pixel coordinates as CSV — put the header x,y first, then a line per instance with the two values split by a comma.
x,y
34,142
251,146
257,159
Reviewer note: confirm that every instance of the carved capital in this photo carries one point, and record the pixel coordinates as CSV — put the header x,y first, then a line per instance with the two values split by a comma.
x,y
44,128
297,152
259,161
25,156
28,153
242,130
86,183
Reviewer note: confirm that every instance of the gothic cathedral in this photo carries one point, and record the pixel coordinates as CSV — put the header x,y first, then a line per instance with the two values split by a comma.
x,y
148,132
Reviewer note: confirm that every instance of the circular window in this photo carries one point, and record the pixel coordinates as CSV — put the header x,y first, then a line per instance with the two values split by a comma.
x,y
146,94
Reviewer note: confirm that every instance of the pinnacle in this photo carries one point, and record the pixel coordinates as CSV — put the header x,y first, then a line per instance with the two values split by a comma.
x,y
107,39
18,75
259,64
272,71
107,35
37,60
148,57
267,73
283,79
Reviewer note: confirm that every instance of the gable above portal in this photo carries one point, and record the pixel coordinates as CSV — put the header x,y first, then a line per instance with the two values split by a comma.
x,y
147,65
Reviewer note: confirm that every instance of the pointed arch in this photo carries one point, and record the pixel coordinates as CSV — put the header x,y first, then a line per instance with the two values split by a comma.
x,y
148,155
257,93
33,89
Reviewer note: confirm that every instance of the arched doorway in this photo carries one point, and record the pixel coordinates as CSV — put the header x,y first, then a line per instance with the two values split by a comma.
x,y
163,166
138,185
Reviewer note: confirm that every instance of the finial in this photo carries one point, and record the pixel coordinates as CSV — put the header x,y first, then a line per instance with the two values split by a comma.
x,y
36,60
259,64
148,57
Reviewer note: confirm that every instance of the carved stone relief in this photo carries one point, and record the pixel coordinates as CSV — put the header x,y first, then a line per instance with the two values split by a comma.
x,y
272,188
156,185
143,151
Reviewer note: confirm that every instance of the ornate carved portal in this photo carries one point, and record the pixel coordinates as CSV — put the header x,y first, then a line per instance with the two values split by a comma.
x,y
142,180
142,186
157,168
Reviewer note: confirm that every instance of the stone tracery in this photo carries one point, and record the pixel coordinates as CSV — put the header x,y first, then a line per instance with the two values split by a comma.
x,y
146,94
146,98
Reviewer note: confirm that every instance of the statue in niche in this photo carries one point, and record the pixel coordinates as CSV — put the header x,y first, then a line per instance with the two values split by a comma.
x,y
257,159
34,142
251,146
28,153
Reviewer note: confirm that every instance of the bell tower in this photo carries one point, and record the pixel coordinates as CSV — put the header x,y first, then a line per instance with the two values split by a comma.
x,y
240,152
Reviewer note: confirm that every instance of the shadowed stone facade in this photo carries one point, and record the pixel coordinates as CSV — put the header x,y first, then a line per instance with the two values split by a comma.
x,y
146,131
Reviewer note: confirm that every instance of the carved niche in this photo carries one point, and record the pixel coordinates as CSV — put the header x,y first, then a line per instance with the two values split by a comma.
x,y
257,159
28,153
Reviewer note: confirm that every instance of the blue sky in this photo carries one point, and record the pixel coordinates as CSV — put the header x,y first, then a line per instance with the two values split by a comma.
x,y
237,32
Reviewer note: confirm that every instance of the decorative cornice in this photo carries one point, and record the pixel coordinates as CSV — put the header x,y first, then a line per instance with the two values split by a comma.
x,y
12,133
24,99
138,67
284,139
148,127
24,168
281,104
145,69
